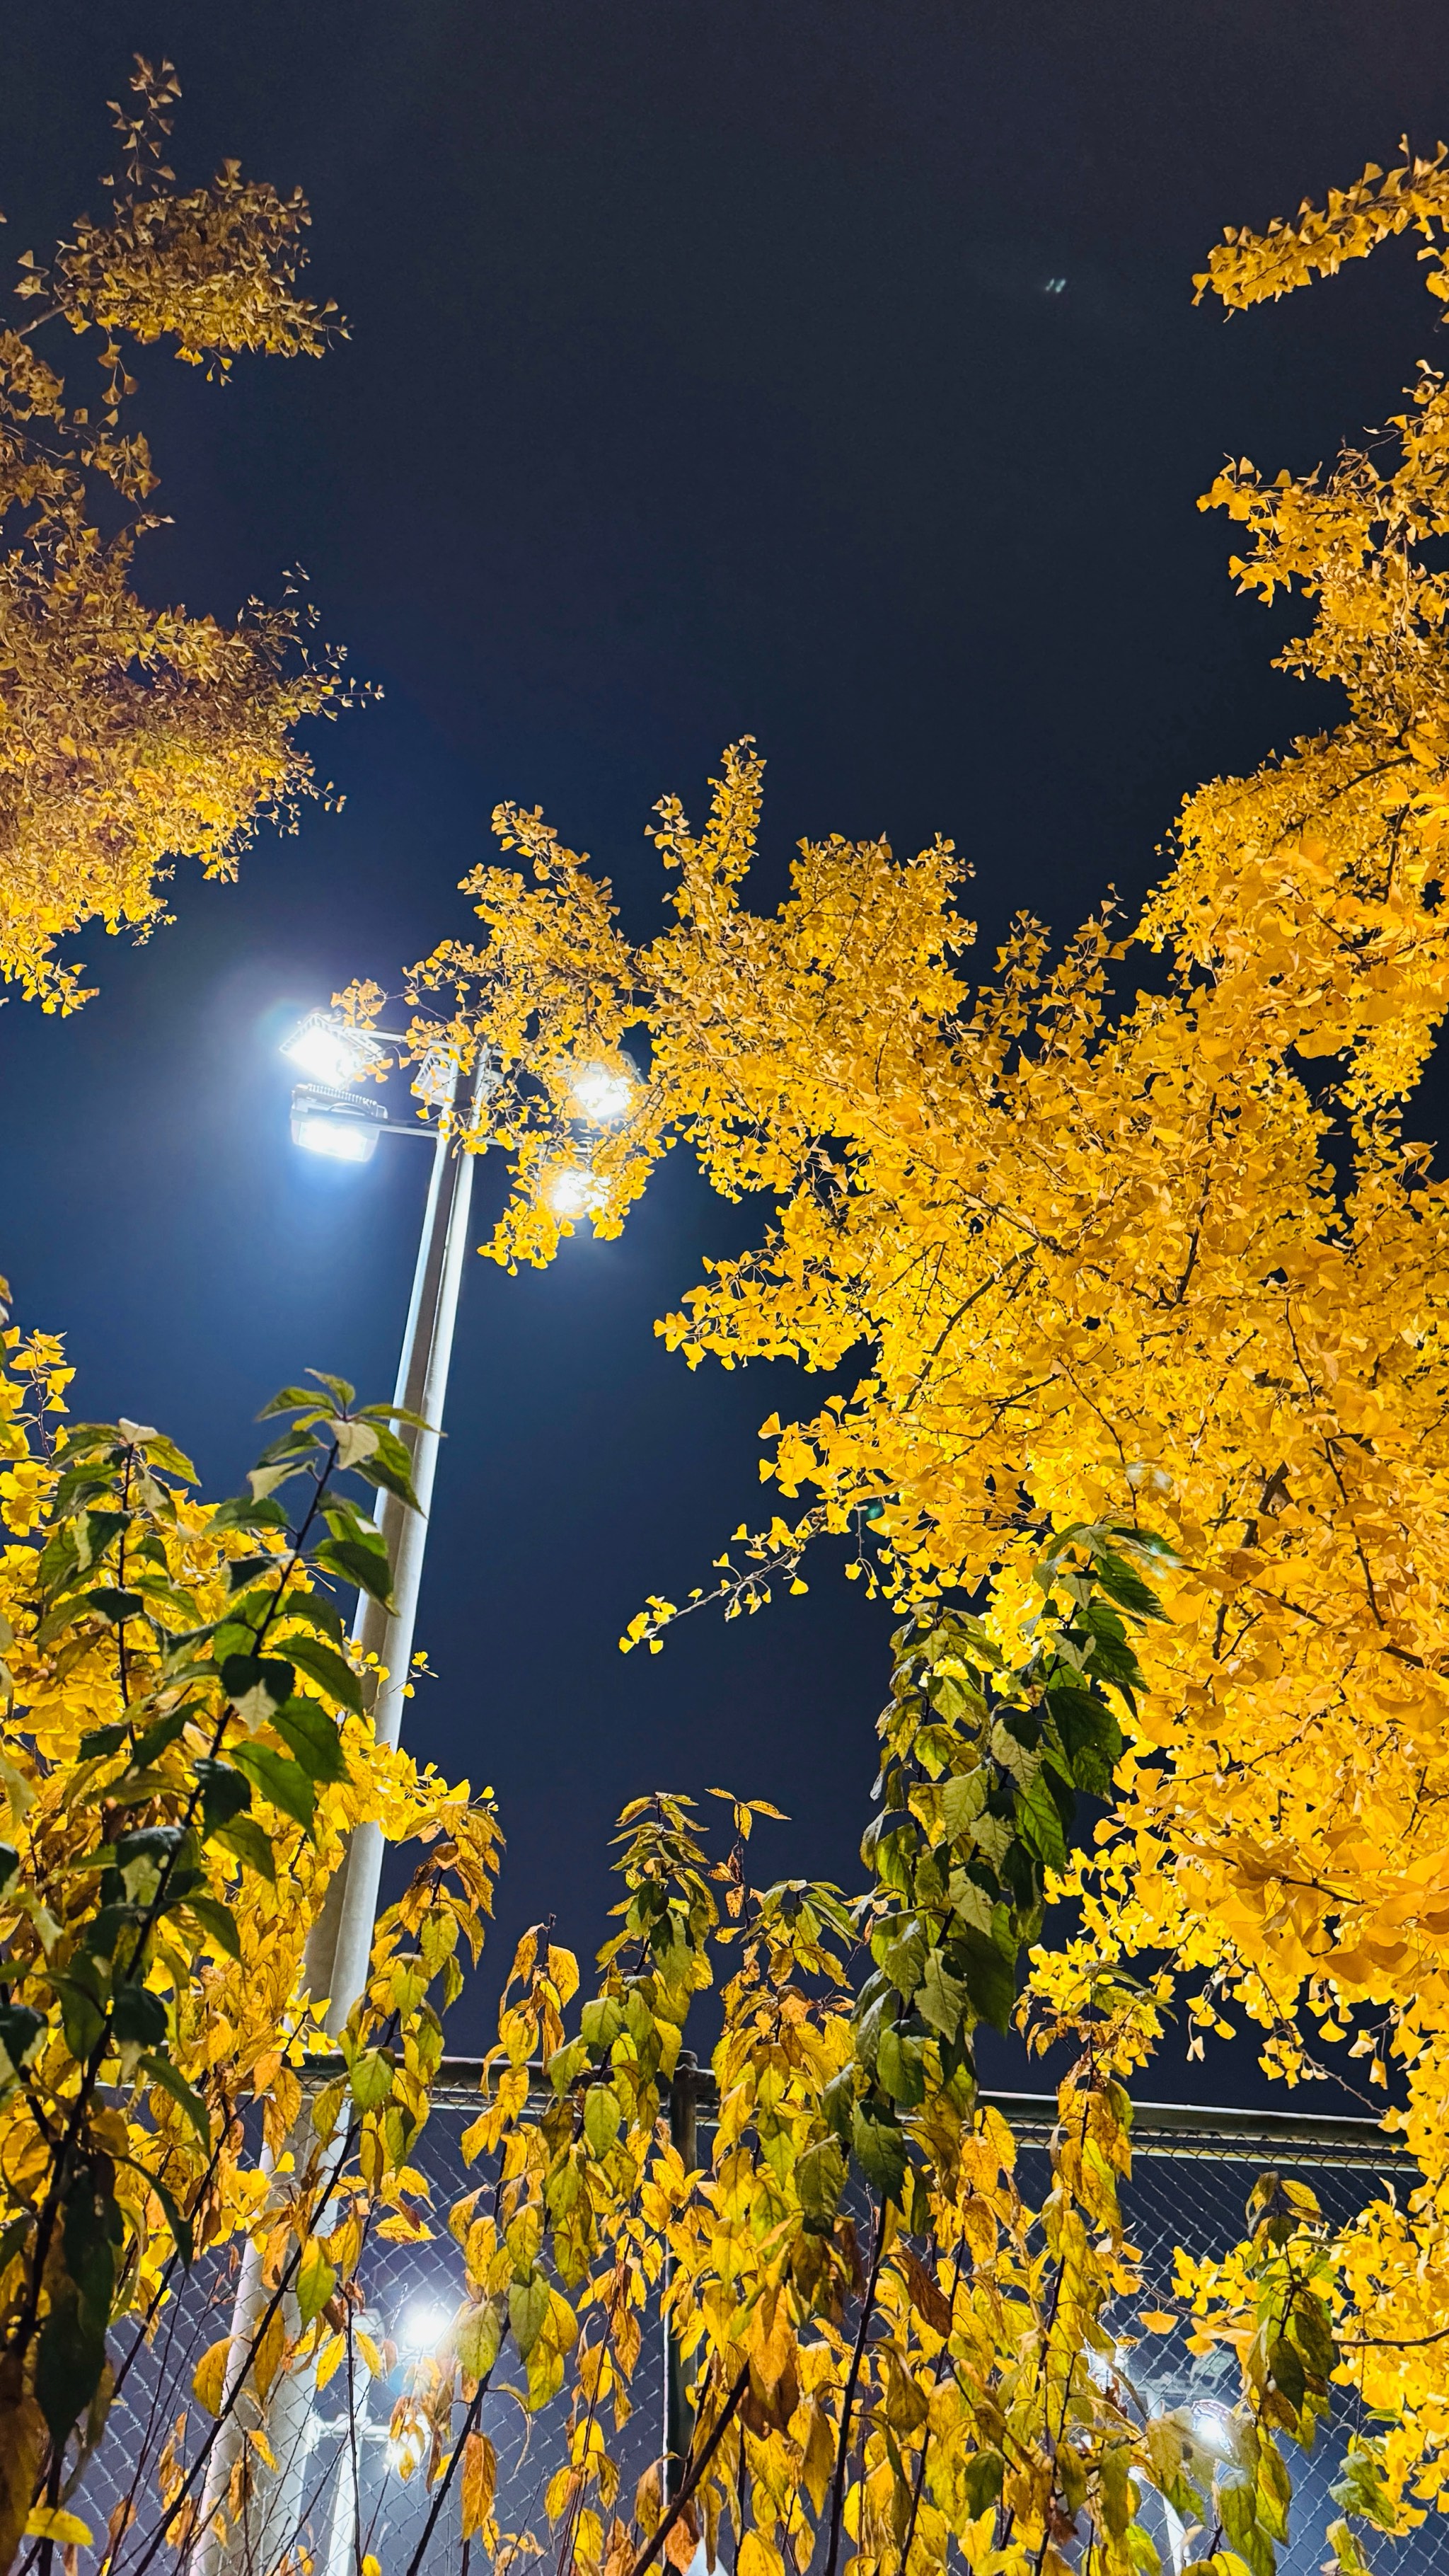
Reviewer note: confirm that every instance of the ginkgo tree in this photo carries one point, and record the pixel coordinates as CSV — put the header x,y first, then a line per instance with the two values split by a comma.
x,y
133,737
1167,1264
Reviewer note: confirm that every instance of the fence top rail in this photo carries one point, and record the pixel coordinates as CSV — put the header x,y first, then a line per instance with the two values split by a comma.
x,y
1184,2129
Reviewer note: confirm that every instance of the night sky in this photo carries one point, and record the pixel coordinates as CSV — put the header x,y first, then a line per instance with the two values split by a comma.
x,y
705,378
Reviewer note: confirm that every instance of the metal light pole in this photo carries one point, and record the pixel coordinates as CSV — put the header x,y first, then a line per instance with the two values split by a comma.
x,y
328,1118
340,1946
341,1942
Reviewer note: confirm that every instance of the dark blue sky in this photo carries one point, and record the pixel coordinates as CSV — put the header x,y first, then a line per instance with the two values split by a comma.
x,y
703,379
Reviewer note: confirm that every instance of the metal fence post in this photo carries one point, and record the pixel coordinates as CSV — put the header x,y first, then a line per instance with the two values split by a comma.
x,y
678,2411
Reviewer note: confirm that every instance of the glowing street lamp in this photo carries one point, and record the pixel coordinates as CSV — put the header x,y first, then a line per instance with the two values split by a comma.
x,y
574,1191
332,1052
422,2327
338,1123
601,1095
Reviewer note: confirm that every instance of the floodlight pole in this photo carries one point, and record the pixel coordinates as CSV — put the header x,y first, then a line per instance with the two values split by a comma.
x,y
340,1945
341,1941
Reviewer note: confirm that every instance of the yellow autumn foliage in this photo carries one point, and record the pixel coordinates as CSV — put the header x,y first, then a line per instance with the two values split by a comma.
x,y
133,737
1167,1260
184,1752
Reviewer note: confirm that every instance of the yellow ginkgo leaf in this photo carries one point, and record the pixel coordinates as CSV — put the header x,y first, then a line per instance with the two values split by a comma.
x,y
52,2522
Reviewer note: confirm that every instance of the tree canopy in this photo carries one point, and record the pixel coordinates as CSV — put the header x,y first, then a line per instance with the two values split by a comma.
x,y
133,737
1166,1261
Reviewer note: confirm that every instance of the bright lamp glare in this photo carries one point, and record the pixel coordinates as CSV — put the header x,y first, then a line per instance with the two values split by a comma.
x,y
343,1140
330,1051
574,1192
407,2446
422,2326
1214,2429
601,1095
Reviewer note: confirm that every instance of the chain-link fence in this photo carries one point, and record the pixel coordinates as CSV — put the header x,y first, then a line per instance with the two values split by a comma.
x,y
360,2491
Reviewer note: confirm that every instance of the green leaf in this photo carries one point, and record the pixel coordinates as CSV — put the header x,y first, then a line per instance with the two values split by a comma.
x,y
81,2016
102,1740
291,1399
342,1392
247,1839
158,1737
319,1611
477,2335
389,1466
163,1453
566,2064
313,1738
224,1794
71,2357
527,2311
820,2171
239,1512
396,1413
115,1606
1091,1737
1313,2333
899,2066
982,2481
837,2102
256,1685
138,2018
904,1962
316,2281
296,1446
96,1533
990,1981
603,2118
172,2081
371,2080
1122,1585
1039,1824
1289,2377
282,1782
21,2032
941,1999
1145,1542
880,2152
84,1438
9,1867
600,2023
215,1918
13,2237
244,1570
357,1561
64,1615
962,1799
1112,1658
322,1664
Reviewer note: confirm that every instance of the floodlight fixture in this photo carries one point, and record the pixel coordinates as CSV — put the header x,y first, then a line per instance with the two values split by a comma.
x,y
422,2327
339,1124
1214,2429
574,1191
331,1051
601,1094
436,1079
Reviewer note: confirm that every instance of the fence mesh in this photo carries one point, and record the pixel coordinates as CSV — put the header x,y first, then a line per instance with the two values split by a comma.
x,y
1192,2174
